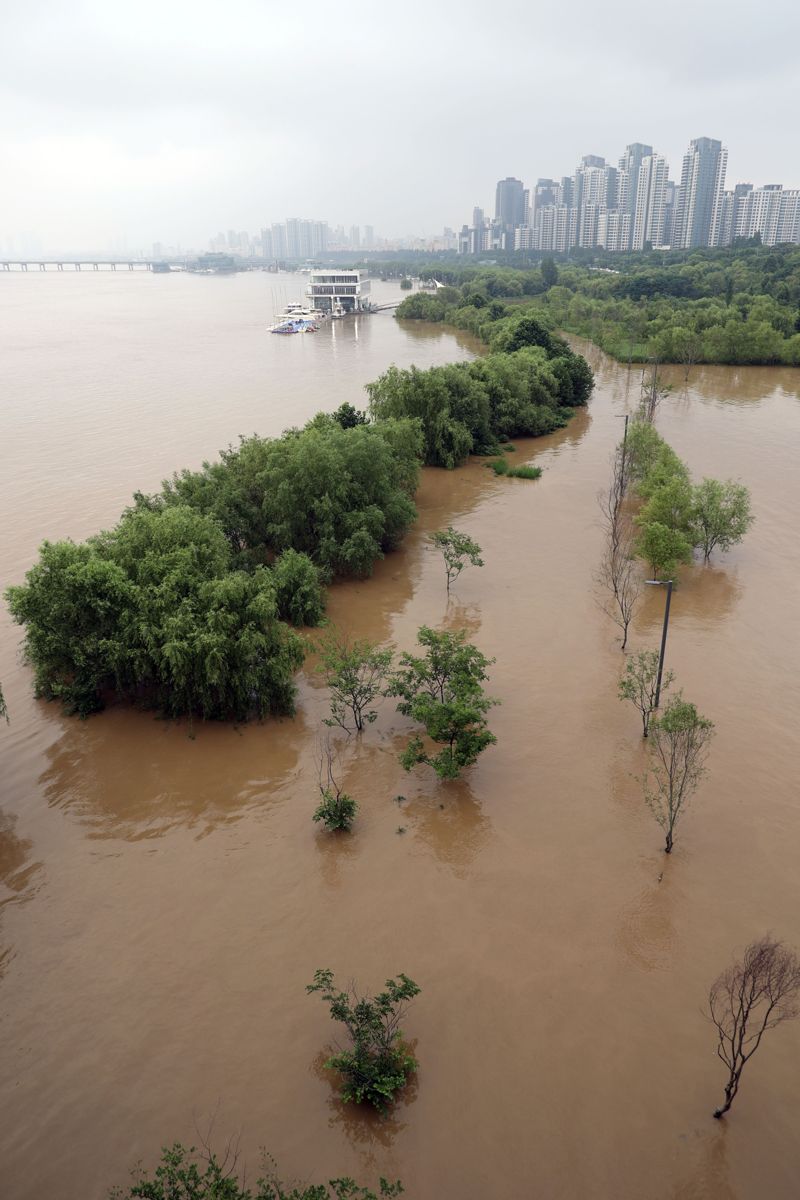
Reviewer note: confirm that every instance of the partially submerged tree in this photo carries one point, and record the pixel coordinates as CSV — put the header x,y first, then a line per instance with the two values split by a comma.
x,y
336,809
749,998
377,1064
355,672
679,742
720,514
3,707
653,392
618,575
457,550
663,548
639,684
443,691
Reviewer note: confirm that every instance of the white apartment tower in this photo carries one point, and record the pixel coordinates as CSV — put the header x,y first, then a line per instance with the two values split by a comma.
x,y
699,206
648,209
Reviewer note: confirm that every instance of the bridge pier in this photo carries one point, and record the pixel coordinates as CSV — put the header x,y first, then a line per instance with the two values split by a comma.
x,y
60,266
23,266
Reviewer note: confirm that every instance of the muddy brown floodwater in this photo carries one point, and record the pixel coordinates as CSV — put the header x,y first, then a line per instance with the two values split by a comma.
x,y
168,897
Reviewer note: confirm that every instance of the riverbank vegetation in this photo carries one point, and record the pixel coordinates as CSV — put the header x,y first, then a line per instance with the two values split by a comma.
x,y
185,1174
527,385
736,305
186,604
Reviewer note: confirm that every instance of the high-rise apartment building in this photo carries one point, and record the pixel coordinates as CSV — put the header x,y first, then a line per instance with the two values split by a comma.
x,y
699,206
769,211
510,207
629,167
648,203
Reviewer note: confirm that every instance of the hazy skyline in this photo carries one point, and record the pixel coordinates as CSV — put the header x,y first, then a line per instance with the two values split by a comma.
x,y
170,122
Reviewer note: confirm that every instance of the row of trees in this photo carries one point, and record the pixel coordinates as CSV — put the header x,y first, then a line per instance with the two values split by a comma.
x,y
762,989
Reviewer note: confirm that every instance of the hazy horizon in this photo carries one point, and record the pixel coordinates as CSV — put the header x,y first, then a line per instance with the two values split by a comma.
x,y
131,124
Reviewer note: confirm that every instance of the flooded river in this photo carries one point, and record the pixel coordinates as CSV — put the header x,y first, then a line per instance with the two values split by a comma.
x,y
166,896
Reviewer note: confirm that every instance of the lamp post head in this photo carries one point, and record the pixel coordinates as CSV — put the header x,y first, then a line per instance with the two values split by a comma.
x,y
658,582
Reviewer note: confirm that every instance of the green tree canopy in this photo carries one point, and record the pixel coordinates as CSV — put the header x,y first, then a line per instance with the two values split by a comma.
x,y
443,690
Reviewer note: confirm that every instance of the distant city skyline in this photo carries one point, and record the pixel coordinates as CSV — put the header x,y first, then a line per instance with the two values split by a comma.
x,y
633,206
150,122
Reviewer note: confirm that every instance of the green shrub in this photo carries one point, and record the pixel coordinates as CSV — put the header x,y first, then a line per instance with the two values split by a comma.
x,y
378,1063
336,810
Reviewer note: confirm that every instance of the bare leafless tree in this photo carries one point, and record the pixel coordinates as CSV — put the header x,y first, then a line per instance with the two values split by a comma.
x,y
688,348
749,998
618,576
653,392
679,742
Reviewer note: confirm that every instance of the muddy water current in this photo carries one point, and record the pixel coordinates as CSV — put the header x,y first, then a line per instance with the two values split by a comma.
x,y
166,897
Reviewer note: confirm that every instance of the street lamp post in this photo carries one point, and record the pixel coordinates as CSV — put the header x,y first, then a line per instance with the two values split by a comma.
x,y
658,583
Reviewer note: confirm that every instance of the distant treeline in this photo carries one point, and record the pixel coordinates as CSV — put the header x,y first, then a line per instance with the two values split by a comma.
x,y
186,604
739,305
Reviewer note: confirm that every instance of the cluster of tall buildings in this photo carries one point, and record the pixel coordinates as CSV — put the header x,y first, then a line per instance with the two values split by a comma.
x,y
635,205
295,238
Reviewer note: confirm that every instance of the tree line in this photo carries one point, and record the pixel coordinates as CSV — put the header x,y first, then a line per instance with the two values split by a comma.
x,y
737,305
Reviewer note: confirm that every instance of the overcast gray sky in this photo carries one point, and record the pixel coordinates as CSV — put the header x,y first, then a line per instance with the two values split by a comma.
x,y
171,119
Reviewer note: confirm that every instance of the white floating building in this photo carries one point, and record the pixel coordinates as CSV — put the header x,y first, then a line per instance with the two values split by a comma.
x,y
337,292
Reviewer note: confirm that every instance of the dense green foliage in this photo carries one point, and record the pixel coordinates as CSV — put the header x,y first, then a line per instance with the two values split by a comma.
x,y
151,610
526,386
442,689
183,1175
676,517
736,305
340,495
378,1063
181,606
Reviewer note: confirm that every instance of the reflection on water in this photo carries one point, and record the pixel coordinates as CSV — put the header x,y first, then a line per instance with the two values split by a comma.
x,y
647,932
19,876
710,1178
705,595
129,775
361,1124
448,818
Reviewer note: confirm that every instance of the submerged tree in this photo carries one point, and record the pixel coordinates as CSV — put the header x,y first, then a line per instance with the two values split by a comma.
x,y
443,691
678,746
749,998
653,392
378,1063
639,684
355,672
3,707
457,550
720,515
618,576
336,809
